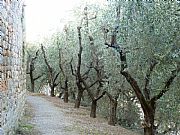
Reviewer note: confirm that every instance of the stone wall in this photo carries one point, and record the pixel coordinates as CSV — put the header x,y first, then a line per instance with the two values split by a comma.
x,y
12,77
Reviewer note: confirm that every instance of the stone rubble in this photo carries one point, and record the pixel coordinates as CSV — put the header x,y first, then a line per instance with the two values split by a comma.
x,y
12,68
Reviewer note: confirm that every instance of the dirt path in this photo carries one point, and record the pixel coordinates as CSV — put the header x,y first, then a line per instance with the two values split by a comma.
x,y
53,117
48,119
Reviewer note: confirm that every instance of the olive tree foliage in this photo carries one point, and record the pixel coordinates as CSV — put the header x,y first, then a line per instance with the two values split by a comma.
x,y
148,46
65,43
95,28
135,46
60,50
119,93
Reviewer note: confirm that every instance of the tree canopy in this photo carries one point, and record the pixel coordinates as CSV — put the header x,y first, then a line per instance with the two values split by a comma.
x,y
124,52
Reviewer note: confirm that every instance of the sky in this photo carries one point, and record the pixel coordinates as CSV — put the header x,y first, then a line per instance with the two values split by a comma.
x,y
44,17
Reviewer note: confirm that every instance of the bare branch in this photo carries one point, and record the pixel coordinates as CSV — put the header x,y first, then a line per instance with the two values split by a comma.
x,y
56,84
38,77
93,83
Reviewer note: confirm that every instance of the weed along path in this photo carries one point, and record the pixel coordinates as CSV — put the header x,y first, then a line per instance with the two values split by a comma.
x,y
51,116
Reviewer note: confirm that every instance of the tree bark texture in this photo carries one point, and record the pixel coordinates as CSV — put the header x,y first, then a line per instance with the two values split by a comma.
x,y
52,91
113,110
66,92
78,99
32,80
52,76
93,108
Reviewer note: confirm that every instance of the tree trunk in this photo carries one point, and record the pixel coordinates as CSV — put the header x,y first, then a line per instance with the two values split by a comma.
x,y
66,92
149,114
148,131
78,99
149,124
52,91
113,109
32,80
93,108
32,86
73,95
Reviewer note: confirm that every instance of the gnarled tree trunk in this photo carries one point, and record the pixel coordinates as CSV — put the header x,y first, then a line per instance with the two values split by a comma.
x,y
113,110
32,80
52,91
66,91
77,74
149,114
52,76
93,108
78,98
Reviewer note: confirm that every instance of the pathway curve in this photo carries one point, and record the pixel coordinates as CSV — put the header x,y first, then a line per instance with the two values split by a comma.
x,y
48,119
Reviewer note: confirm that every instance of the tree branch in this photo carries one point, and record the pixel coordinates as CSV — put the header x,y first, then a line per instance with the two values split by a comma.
x,y
45,58
167,84
87,72
34,58
88,89
93,83
72,70
103,93
60,63
80,52
124,71
136,89
38,77
110,96
55,77
147,79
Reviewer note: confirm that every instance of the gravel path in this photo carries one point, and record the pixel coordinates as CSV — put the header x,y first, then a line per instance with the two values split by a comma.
x,y
48,119
51,116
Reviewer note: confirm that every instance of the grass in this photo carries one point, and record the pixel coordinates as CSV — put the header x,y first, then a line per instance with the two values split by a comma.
x,y
25,127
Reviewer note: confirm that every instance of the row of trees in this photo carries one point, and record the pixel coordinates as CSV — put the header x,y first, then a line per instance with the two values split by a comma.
x,y
126,50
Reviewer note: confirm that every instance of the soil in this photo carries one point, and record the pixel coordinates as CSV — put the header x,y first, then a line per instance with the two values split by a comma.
x,y
51,116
